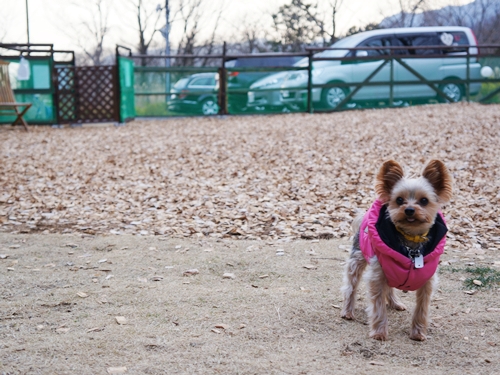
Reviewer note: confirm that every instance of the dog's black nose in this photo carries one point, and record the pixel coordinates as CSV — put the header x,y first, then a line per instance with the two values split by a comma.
x,y
409,211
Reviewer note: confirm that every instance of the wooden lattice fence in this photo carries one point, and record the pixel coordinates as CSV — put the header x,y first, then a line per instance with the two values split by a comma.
x,y
87,94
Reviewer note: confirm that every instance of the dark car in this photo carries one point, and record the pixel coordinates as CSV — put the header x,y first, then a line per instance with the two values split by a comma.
x,y
241,79
196,94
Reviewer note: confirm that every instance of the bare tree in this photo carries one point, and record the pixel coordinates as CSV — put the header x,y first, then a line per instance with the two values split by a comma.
x,y
148,19
92,30
335,8
192,18
407,15
300,23
3,27
252,37
359,29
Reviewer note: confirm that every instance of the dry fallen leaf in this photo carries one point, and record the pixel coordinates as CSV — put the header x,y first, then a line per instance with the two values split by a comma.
x,y
116,370
310,266
191,272
95,329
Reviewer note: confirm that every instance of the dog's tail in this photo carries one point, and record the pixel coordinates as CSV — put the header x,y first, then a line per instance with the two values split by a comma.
x,y
356,223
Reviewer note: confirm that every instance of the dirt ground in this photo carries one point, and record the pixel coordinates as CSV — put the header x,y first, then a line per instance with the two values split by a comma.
x,y
61,295
98,226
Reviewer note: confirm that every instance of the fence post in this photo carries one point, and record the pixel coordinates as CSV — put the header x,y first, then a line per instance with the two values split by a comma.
x,y
391,93
223,83
309,84
468,74
118,92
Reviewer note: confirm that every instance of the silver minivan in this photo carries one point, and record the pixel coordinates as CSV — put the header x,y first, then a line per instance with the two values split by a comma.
x,y
292,86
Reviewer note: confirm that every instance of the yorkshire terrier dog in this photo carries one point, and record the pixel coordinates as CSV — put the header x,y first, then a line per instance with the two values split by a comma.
x,y
401,239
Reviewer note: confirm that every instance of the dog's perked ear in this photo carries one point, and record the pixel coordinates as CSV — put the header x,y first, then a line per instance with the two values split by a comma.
x,y
440,178
390,173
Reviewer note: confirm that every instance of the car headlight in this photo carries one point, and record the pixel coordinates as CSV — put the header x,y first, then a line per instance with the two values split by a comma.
x,y
316,72
271,83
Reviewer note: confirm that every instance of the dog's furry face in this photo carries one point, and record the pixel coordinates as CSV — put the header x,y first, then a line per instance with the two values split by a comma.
x,y
413,203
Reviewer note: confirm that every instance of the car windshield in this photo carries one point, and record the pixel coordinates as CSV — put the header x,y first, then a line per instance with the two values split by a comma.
x,y
181,83
350,41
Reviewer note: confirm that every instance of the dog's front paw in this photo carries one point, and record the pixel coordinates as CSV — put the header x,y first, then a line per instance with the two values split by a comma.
x,y
379,336
348,315
417,336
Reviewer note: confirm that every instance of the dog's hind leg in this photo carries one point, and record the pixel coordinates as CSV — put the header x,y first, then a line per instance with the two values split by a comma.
x,y
354,268
394,302
378,292
420,320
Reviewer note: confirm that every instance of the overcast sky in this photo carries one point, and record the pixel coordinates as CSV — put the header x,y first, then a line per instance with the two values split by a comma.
x,y
59,21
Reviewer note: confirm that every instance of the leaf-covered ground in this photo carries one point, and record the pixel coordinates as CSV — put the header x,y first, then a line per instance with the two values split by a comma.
x,y
254,177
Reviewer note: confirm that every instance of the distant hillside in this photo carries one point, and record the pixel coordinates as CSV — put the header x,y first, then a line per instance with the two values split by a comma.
x,y
482,16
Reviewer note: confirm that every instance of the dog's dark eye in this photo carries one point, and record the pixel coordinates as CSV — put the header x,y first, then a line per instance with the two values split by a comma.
x,y
424,201
400,200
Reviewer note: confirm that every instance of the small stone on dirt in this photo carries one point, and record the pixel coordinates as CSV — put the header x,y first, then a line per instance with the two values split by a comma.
x,y
121,320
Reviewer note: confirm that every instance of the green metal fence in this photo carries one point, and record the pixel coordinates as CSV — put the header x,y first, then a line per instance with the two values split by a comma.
x,y
37,87
387,80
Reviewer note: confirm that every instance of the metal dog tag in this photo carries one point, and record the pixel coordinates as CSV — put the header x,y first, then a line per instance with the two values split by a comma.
x,y
419,261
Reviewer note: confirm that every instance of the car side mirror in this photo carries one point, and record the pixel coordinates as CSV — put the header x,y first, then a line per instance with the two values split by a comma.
x,y
361,53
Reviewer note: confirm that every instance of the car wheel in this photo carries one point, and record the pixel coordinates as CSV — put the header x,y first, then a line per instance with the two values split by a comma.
x,y
453,91
333,96
209,107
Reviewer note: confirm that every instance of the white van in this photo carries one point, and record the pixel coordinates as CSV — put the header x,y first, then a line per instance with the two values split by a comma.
x,y
292,86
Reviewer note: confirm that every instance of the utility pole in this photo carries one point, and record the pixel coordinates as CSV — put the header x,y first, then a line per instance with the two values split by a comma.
x,y
28,22
167,48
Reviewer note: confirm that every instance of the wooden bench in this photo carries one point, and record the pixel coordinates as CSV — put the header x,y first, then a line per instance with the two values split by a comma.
x,y
8,104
